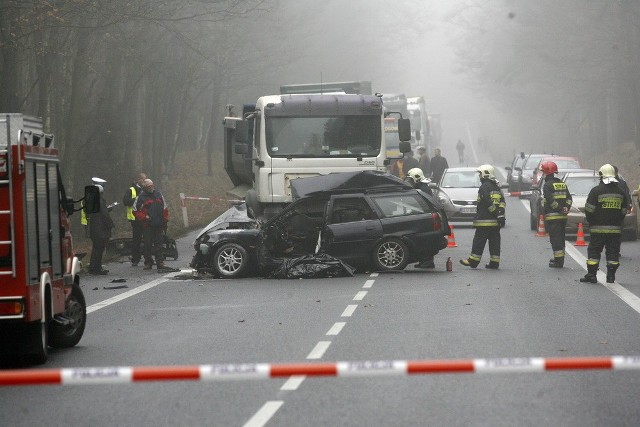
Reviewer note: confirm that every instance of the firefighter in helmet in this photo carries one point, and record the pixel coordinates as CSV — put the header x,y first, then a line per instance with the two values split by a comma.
x,y
556,202
416,178
605,210
488,221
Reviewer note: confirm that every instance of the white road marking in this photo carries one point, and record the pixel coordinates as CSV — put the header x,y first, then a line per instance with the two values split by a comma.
x,y
293,382
336,328
348,312
128,294
368,284
264,414
319,349
373,275
360,295
631,299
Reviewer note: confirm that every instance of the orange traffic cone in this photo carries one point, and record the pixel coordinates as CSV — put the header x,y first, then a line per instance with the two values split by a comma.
x,y
451,239
541,231
580,238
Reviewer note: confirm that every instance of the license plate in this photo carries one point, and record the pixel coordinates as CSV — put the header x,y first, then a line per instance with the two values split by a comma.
x,y
468,210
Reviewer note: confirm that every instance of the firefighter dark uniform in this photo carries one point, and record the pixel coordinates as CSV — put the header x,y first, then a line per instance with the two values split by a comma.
x,y
488,220
605,210
416,178
556,203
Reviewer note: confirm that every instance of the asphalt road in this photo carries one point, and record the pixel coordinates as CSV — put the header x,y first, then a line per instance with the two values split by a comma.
x,y
524,309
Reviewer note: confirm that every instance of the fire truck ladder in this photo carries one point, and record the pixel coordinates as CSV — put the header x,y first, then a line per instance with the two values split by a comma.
x,y
5,154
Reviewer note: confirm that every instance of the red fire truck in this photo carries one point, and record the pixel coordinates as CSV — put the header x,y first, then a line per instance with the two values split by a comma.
x,y
41,303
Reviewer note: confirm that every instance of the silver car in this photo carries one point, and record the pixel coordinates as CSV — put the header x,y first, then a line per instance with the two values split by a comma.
x,y
457,191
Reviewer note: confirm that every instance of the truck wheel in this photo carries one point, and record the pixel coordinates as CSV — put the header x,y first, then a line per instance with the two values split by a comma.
x,y
68,334
36,350
231,260
391,254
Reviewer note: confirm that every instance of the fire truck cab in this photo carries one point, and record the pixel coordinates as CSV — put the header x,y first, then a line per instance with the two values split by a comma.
x,y
41,303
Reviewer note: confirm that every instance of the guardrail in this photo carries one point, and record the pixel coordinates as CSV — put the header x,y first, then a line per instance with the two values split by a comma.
x,y
255,371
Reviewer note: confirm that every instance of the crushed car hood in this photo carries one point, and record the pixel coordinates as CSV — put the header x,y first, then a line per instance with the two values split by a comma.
x,y
344,181
235,214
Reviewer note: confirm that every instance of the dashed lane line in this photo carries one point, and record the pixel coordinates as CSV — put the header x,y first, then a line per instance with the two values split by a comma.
x,y
293,383
348,312
319,349
368,284
336,328
360,295
264,414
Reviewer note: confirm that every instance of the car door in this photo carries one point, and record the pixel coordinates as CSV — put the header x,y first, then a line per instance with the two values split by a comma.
x,y
352,228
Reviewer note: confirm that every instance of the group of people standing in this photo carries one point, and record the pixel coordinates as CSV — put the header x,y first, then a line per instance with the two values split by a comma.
x,y
432,168
148,214
605,209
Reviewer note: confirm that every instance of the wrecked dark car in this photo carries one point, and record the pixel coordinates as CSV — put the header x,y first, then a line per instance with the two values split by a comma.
x,y
369,220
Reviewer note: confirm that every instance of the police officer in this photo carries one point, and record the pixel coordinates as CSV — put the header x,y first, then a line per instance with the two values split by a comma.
x,y
605,209
488,221
83,215
416,178
556,202
136,226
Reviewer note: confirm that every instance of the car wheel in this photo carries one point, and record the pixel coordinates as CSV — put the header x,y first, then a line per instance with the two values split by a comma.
x,y
391,254
231,260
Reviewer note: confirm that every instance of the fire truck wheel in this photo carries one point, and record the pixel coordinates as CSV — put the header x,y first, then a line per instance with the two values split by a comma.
x,y
37,343
68,334
231,260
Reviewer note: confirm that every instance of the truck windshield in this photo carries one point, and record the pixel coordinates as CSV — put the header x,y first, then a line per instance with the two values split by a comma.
x,y
342,136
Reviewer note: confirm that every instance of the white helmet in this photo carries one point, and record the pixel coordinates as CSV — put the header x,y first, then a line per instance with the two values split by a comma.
x,y
608,173
486,171
100,188
416,174
97,180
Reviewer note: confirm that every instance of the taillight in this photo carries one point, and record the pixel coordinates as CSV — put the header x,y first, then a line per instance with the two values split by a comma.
x,y
437,222
11,308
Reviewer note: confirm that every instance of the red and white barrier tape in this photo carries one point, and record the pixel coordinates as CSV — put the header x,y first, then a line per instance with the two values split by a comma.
x,y
183,203
517,193
252,371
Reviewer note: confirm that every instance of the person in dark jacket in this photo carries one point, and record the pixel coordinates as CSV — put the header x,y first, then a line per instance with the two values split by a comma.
x,y
423,161
625,187
460,149
100,225
438,165
151,210
488,221
136,226
416,178
605,210
409,163
556,202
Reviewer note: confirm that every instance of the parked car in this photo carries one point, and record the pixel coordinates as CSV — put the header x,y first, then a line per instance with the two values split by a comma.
x,y
366,219
457,192
580,184
526,171
564,163
514,170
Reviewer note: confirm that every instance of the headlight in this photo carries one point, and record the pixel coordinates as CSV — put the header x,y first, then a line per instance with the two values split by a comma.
x,y
444,199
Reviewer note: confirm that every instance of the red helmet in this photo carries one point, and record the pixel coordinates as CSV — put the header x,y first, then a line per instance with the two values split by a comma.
x,y
549,168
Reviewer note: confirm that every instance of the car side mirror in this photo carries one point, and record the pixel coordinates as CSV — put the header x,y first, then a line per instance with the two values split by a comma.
x,y
509,168
519,169
504,186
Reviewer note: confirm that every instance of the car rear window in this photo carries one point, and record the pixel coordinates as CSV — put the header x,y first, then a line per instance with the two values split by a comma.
x,y
567,164
400,205
581,185
532,162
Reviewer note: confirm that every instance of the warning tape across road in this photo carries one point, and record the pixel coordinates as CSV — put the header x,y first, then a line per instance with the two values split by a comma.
x,y
517,193
254,371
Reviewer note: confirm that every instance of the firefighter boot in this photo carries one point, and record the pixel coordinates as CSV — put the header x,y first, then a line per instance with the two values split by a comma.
x,y
492,265
469,263
611,273
556,262
590,277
